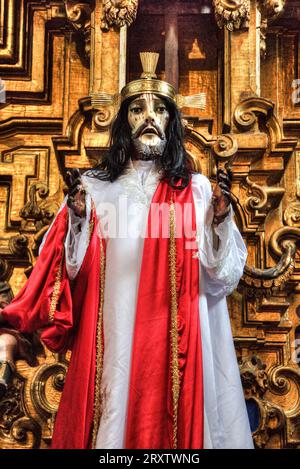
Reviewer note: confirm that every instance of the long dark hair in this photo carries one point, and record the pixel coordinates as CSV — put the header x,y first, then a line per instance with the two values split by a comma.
x,y
174,162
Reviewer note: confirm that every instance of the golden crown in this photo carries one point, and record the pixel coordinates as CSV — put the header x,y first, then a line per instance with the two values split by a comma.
x,y
149,83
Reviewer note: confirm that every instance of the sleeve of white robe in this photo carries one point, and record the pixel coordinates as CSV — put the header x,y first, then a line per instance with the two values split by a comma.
x,y
223,268
77,238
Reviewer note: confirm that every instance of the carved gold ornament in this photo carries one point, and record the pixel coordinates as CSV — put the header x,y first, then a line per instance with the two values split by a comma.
x,y
266,282
47,382
292,214
16,425
118,13
270,10
225,147
232,14
256,382
79,15
37,214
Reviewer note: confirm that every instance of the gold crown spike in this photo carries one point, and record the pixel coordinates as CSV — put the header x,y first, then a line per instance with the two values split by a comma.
x,y
149,63
149,83
197,101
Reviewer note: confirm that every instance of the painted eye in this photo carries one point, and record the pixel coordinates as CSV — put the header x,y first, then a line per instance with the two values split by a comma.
x,y
136,110
161,109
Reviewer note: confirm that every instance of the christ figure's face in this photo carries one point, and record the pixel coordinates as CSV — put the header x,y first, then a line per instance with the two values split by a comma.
x,y
148,118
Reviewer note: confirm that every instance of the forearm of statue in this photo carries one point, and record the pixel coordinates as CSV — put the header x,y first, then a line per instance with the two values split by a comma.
x,y
26,346
16,346
8,346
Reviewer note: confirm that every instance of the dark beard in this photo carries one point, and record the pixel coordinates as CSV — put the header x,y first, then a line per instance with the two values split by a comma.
x,y
140,151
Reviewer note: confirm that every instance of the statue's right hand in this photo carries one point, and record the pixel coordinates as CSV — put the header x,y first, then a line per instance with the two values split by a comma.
x,y
76,192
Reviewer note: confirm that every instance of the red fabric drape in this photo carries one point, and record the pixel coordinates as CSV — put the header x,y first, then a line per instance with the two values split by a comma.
x,y
150,408
74,326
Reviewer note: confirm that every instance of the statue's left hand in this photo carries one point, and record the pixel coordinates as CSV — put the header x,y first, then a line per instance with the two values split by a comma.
x,y
76,193
221,197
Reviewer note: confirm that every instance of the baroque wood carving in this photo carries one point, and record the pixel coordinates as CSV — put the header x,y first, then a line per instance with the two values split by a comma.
x,y
79,16
270,10
118,13
233,14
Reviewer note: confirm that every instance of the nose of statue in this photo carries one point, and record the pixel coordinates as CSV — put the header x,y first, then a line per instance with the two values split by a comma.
x,y
150,119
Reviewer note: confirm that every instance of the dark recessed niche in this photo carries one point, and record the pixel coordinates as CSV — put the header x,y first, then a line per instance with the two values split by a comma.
x,y
253,414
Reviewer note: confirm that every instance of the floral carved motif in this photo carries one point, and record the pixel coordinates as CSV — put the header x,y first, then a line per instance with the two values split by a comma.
x,y
232,14
118,13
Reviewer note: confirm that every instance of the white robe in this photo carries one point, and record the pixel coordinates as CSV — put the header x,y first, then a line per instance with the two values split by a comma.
x,y
126,202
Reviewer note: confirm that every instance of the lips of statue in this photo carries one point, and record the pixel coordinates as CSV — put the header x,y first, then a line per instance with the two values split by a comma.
x,y
148,118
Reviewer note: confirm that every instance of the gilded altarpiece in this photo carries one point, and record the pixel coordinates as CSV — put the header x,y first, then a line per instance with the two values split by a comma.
x,y
61,65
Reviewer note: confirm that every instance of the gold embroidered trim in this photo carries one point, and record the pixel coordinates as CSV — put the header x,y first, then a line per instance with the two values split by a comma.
x,y
91,222
99,351
174,323
56,290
